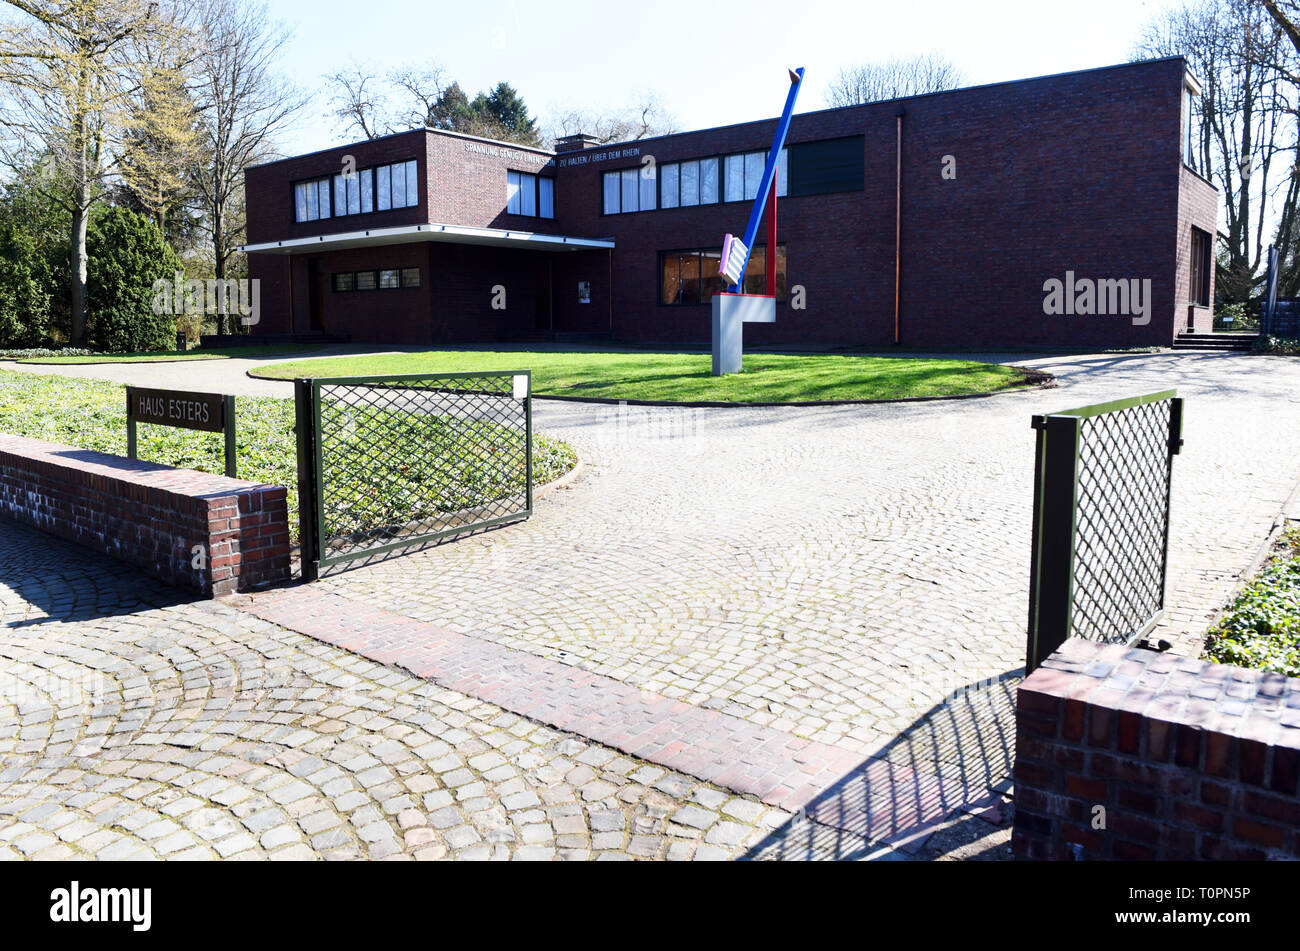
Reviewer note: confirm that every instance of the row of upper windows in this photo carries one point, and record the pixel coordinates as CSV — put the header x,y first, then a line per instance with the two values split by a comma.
x,y
703,181
397,186
360,193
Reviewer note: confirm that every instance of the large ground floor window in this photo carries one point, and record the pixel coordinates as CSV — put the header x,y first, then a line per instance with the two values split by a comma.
x,y
691,277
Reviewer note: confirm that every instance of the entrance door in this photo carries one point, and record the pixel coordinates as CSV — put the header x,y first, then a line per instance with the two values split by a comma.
x,y
315,293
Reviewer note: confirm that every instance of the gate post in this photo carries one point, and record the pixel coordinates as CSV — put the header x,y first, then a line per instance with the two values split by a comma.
x,y
1051,573
305,417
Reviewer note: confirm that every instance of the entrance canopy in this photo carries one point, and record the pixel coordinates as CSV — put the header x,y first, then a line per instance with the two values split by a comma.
x,y
453,234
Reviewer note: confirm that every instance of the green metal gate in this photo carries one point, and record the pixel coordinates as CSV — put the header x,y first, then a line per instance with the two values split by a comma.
x,y
389,462
1102,480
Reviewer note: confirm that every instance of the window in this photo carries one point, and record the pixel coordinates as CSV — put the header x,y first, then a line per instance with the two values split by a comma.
x,y
1199,286
690,172
670,176
754,162
410,277
708,181
345,282
691,277
390,278
680,280
546,198
611,204
367,191
755,281
627,191
742,174
366,281
396,186
1189,143
347,194
530,195
312,200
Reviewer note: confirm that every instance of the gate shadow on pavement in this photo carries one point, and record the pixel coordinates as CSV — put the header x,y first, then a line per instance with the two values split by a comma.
x,y
955,759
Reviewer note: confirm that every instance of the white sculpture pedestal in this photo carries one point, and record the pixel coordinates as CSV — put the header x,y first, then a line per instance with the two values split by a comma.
x,y
730,313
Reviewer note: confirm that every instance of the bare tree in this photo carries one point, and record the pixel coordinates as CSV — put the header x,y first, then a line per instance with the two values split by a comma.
x,y
244,104
360,101
71,70
641,120
1241,121
894,79
424,90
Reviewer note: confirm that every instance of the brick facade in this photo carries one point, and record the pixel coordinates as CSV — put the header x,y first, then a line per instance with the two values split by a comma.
x,y
1079,172
150,516
1189,760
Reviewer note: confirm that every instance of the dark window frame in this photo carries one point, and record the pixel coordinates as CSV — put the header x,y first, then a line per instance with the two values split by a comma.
x,y
293,198
537,178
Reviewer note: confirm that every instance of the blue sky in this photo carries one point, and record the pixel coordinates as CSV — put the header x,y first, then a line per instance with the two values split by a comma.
x,y
710,62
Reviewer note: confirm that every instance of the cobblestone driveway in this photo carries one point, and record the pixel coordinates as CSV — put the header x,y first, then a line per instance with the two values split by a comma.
x,y
835,572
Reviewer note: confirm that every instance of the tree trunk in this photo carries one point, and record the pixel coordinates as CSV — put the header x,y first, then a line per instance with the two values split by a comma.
x,y
80,220
219,269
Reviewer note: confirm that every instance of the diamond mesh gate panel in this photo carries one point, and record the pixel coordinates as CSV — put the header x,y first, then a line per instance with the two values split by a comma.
x,y
408,459
1123,505
1102,479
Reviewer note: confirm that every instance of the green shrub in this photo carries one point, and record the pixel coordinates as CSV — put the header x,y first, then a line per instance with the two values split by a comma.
x,y
1280,345
1261,628
24,290
128,253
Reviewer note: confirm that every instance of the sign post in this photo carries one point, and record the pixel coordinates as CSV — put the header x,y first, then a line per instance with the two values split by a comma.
x,y
205,412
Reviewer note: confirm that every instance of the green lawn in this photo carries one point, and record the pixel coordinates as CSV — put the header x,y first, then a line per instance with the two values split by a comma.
x,y
167,356
686,377
89,414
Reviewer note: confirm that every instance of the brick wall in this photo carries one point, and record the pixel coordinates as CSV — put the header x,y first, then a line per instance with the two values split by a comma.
x,y
1188,760
150,516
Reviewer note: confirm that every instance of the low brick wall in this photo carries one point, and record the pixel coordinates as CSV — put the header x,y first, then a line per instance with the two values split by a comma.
x,y
150,516
1188,760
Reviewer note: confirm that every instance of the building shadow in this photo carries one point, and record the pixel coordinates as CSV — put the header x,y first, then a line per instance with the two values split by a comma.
x,y
50,580
954,760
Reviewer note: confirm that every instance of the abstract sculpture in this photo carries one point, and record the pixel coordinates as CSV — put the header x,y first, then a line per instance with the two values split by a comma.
x,y
733,309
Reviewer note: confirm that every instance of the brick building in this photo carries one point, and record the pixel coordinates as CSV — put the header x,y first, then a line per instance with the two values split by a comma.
x,y
1060,211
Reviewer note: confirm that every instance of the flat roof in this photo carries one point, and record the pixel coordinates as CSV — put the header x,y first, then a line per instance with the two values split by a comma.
x,y
449,234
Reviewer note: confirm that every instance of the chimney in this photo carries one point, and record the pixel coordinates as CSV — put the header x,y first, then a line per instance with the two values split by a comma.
x,y
575,143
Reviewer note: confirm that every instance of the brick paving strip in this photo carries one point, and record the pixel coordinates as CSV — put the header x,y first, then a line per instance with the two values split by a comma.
x,y
778,768
878,798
